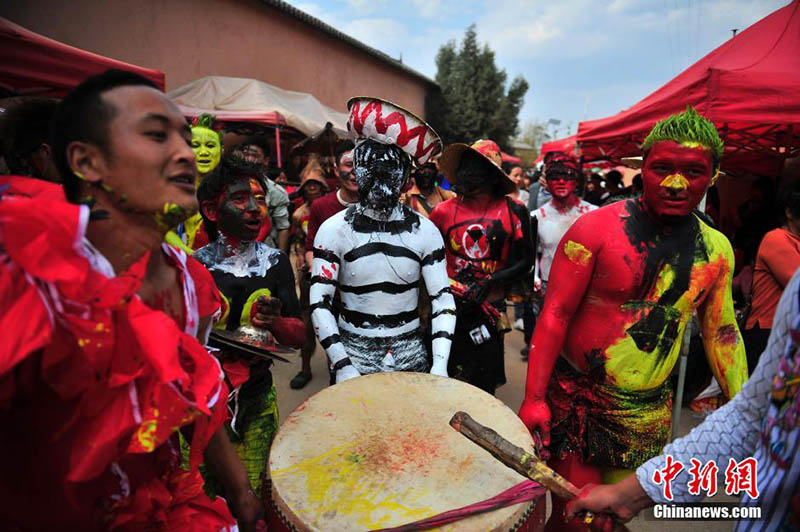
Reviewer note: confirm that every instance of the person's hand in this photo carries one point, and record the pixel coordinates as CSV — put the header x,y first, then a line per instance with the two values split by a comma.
x,y
611,504
267,309
536,415
542,180
439,367
347,372
247,510
477,291
537,286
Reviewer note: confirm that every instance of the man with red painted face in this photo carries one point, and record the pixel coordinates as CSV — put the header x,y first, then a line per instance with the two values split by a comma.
x,y
100,361
256,283
629,277
488,248
562,173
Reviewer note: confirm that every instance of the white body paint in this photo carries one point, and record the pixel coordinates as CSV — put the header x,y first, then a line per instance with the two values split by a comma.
x,y
552,225
417,256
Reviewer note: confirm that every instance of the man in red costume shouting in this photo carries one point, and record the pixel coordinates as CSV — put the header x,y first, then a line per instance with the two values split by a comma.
x,y
625,281
100,364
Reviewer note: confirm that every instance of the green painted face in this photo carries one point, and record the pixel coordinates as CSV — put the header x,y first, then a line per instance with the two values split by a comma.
x,y
207,148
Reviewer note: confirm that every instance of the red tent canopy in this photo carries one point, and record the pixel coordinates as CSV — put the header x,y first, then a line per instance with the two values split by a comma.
x,y
566,145
749,86
33,64
507,158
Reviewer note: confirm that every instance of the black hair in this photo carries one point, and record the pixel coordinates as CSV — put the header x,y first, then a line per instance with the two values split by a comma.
x,y
83,116
790,199
342,148
261,142
26,126
614,176
231,169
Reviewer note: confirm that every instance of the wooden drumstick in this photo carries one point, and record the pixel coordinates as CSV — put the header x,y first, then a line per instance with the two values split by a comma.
x,y
518,459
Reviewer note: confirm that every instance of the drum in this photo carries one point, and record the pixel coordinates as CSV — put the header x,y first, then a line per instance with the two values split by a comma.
x,y
378,451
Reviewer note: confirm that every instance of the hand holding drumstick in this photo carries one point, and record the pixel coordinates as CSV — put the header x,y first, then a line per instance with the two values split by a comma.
x,y
526,464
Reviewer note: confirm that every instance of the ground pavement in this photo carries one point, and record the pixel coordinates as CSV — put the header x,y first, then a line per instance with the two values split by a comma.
x,y
511,394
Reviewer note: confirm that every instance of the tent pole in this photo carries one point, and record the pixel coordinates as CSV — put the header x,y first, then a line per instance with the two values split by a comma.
x,y
278,145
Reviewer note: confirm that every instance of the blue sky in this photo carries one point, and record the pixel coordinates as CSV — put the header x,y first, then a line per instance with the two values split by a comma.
x,y
582,58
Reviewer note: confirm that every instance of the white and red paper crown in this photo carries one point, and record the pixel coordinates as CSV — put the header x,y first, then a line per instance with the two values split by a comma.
x,y
387,123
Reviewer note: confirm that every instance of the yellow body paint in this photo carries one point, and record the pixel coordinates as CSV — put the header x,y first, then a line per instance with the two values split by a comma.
x,y
146,434
246,317
675,181
172,215
631,369
342,481
577,253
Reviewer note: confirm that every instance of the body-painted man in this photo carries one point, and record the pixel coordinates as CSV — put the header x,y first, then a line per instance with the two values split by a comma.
x,y
100,363
377,253
257,287
562,174
207,146
488,248
255,150
629,277
425,193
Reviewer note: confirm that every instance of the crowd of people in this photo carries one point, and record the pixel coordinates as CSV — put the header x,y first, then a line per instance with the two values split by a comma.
x,y
129,237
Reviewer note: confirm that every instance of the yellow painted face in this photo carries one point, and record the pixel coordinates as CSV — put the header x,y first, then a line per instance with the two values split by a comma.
x,y
207,148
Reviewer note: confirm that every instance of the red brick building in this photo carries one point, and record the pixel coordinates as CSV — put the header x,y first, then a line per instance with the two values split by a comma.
x,y
268,40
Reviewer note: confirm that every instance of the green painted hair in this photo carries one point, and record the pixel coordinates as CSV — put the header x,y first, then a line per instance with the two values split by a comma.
x,y
208,121
688,127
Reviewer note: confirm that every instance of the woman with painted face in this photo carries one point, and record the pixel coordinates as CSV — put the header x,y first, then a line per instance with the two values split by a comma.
x,y
377,252
488,248
256,283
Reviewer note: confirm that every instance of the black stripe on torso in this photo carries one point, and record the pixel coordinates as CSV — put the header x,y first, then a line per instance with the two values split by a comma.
x,y
360,319
367,250
386,287
442,334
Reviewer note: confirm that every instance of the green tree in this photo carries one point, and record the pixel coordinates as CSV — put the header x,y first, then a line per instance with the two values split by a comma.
x,y
473,102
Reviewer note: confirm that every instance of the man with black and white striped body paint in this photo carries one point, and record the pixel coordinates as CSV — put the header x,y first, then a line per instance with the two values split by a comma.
x,y
377,253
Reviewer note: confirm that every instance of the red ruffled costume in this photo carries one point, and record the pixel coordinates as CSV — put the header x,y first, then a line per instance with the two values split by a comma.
x,y
94,385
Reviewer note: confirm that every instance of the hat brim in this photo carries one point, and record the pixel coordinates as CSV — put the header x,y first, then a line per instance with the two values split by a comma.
x,y
451,158
320,182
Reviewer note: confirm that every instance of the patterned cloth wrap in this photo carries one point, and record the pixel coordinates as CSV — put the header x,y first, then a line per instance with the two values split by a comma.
x,y
606,425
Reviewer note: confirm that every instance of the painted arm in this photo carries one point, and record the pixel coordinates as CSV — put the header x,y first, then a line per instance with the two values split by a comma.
x,y
521,253
225,465
324,282
570,276
443,306
721,337
280,314
733,430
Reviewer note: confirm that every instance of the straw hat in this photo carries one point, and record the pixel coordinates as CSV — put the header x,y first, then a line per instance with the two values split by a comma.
x,y
388,123
313,172
488,149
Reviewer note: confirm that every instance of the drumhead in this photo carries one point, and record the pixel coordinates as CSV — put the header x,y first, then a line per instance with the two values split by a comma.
x,y
378,451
